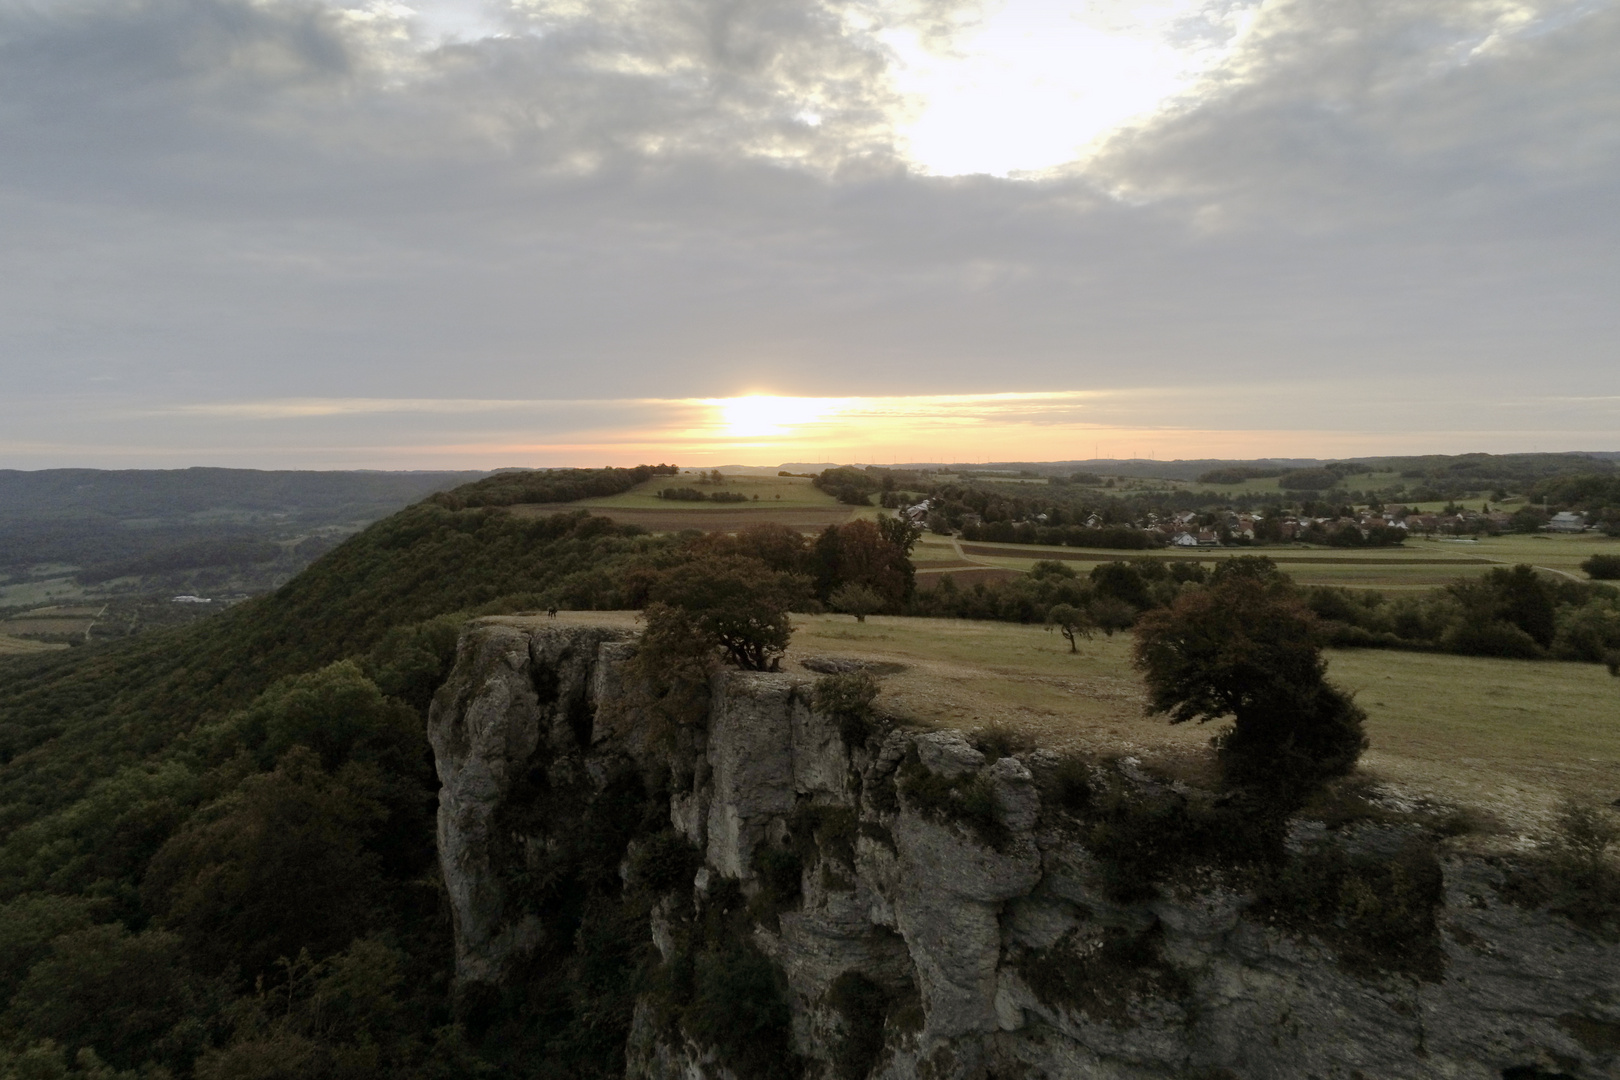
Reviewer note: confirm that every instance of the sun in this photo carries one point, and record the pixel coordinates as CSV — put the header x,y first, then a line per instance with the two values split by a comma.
x,y
758,416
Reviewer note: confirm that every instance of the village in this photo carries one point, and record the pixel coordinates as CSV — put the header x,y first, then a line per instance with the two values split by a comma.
x,y
1371,527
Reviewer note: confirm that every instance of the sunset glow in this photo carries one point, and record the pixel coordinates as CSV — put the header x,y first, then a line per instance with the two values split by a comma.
x,y
768,429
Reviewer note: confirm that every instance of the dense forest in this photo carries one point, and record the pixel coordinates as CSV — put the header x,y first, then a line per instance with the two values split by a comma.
x,y
216,842
118,532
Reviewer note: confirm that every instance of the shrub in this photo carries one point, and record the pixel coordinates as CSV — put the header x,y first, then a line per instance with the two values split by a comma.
x,y
739,1007
863,1006
1602,567
965,800
848,698
1377,913
1102,977
1499,639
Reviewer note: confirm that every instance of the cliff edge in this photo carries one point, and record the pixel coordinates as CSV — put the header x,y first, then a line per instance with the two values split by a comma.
x,y
831,895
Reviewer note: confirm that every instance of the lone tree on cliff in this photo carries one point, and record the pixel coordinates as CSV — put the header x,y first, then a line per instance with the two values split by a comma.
x,y
1246,647
731,602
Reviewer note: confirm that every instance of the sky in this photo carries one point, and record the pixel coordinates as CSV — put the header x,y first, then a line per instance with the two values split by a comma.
x,y
470,234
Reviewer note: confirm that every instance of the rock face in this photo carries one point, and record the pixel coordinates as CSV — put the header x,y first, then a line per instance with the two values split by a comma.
x,y
952,922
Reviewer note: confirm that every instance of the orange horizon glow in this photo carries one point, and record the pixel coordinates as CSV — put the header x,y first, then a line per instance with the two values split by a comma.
x,y
763,429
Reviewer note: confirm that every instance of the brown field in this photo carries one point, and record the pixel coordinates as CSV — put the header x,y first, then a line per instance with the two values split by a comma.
x,y
720,519
928,578
26,625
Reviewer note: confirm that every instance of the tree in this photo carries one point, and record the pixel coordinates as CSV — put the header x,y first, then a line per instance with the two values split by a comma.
x,y
1072,622
1602,567
278,865
856,600
1245,647
1110,614
734,603
859,553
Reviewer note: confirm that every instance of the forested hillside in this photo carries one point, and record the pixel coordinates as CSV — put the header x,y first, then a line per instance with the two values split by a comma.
x,y
102,553
216,842
246,802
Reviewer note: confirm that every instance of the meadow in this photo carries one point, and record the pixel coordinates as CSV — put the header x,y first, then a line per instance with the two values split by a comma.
x,y
1507,739
1417,565
789,500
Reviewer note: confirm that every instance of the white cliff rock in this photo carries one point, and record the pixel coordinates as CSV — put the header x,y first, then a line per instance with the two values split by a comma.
x,y
968,933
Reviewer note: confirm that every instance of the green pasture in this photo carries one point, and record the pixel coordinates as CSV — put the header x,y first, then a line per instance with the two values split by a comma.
x,y
788,491
1508,737
1418,564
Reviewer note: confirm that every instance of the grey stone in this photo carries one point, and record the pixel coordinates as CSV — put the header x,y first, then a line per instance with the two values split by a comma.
x,y
930,907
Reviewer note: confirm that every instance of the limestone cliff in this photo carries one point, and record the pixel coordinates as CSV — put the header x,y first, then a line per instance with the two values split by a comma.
x,y
937,911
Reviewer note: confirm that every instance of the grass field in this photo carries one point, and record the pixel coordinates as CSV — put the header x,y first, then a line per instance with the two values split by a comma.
x,y
790,500
1418,564
16,646
1506,738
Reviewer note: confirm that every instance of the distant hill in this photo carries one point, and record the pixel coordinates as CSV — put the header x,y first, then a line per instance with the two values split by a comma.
x,y
161,524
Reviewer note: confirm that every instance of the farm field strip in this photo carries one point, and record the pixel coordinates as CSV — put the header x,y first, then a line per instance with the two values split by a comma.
x,y
16,646
1207,555
720,518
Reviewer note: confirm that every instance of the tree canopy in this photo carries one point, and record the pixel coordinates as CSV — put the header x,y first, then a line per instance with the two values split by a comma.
x,y
1245,647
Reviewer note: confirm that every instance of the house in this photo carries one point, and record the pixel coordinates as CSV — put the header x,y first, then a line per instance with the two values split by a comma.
x,y
1185,539
1567,521
918,513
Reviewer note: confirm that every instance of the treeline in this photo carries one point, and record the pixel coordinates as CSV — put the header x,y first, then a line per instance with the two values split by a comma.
x,y
686,494
1507,612
549,486
216,551
856,487
1025,532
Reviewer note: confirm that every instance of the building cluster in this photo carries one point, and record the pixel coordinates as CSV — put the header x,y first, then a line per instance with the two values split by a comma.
x,y
1191,528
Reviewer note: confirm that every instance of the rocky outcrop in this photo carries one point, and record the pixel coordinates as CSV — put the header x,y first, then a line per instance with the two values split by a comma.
x,y
951,920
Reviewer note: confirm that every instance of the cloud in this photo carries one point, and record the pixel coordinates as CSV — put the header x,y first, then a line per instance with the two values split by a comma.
x,y
285,202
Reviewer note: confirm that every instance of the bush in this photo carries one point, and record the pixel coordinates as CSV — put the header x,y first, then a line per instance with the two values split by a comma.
x,y
1377,913
1499,639
863,1006
1602,567
965,800
739,1007
848,698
